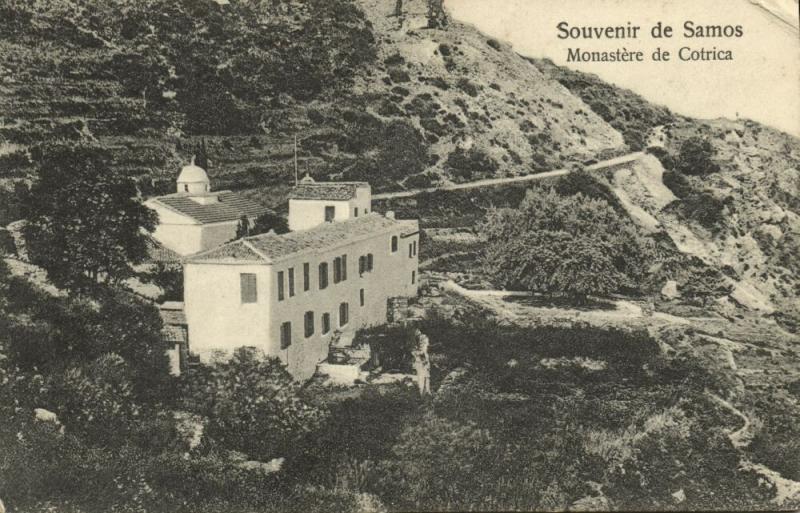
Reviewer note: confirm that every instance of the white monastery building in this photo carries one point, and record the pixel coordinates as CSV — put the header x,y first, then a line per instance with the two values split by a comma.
x,y
290,294
196,219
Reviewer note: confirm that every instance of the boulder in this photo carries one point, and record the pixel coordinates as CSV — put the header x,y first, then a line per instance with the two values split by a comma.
x,y
670,290
269,467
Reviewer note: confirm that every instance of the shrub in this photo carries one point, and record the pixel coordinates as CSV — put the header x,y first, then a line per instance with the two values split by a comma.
x,y
465,164
573,245
677,183
467,86
252,403
696,157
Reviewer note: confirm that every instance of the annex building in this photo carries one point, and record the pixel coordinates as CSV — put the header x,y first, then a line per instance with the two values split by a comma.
x,y
194,218
290,294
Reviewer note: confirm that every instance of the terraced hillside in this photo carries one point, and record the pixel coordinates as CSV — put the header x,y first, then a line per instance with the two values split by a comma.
x,y
390,100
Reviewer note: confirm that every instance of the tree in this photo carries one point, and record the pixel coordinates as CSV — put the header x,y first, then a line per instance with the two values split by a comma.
x,y
270,221
85,223
243,228
252,403
696,157
572,245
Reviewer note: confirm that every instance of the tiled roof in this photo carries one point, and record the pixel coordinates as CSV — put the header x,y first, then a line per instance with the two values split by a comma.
x,y
174,334
231,207
270,247
157,252
172,313
334,191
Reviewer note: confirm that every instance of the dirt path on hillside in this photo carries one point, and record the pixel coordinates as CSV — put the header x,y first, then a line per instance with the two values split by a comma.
x,y
491,182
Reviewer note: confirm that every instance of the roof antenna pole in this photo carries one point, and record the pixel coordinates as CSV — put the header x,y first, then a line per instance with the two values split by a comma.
x,y
296,179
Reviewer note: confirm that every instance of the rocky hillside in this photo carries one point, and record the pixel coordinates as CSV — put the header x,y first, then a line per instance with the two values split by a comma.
x,y
738,221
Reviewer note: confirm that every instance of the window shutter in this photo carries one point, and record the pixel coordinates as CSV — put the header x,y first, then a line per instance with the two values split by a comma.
x,y
280,286
344,267
249,293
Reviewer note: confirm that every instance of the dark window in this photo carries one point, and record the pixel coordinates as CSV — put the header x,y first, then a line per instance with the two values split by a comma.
x,y
306,276
248,287
410,250
309,324
344,312
291,281
413,277
326,323
344,267
361,296
323,275
337,270
330,213
415,248
369,262
185,187
362,264
286,335
280,285
355,212
394,243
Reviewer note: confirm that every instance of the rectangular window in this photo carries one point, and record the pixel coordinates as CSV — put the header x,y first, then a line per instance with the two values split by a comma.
x,y
291,281
394,243
362,264
280,285
344,267
361,296
413,277
326,323
355,212
415,248
308,322
410,250
306,276
330,214
323,275
369,262
337,270
249,292
286,335
344,313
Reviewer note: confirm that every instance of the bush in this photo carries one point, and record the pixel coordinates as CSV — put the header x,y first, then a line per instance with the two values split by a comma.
x,y
696,157
580,181
677,183
252,404
466,164
573,245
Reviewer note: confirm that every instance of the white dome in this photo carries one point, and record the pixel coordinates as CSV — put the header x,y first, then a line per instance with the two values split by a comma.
x,y
192,174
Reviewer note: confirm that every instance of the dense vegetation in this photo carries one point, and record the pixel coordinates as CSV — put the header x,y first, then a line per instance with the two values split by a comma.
x,y
571,245
84,222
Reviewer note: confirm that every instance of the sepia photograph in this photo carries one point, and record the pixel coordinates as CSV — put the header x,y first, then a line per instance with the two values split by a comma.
x,y
399,256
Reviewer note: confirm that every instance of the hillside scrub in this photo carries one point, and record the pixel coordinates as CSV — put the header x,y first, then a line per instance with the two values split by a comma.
x,y
623,109
574,246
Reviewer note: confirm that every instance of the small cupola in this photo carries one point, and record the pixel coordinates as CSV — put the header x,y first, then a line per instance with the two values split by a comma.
x,y
193,180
